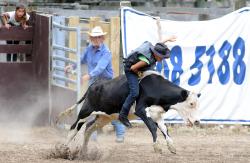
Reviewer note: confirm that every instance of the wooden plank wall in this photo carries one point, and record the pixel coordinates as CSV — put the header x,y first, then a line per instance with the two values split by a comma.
x,y
20,35
24,86
16,78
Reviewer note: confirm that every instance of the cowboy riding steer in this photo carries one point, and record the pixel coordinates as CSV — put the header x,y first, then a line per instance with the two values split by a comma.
x,y
157,95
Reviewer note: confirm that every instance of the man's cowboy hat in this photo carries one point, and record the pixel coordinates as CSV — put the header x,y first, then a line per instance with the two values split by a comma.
x,y
97,31
161,50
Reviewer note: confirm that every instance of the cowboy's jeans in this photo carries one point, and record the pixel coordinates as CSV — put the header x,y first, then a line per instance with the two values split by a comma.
x,y
133,84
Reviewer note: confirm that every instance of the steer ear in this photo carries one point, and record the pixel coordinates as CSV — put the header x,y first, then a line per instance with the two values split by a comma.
x,y
184,94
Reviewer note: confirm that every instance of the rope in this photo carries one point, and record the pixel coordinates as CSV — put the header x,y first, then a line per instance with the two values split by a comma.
x,y
158,23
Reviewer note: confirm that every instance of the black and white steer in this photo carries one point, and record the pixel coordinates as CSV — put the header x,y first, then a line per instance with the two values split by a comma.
x,y
157,95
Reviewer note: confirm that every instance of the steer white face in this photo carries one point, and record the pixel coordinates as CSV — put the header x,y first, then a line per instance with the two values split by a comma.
x,y
188,109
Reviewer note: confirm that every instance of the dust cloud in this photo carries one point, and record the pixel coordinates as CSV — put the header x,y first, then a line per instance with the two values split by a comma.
x,y
18,116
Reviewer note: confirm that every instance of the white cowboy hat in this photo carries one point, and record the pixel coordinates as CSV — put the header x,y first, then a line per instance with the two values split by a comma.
x,y
97,31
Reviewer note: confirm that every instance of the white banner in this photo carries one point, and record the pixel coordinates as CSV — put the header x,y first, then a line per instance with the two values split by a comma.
x,y
211,57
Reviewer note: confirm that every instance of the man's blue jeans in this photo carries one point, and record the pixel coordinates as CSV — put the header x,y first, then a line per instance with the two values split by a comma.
x,y
133,84
119,128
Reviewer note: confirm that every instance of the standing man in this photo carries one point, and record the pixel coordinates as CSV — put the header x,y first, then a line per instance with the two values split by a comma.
x,y
98,58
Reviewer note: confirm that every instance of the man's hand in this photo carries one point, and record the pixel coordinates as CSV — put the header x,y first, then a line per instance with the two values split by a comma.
x,y
85,77
68,68
140,74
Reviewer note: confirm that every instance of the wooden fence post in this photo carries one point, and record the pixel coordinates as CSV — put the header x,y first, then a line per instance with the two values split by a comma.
x,y
73,21
94,21
115,43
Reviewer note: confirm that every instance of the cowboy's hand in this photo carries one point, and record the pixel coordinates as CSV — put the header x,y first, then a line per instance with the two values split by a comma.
x,y
140,74
68,68
85,77
172,38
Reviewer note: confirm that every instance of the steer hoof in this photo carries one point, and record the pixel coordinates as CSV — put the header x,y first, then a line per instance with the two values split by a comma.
x,y
171,148
157,148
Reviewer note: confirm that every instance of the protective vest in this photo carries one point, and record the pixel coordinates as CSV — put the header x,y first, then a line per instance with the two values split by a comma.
x,y
143,49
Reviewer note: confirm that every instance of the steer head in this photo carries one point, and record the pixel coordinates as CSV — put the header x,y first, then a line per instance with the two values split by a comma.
x,y
188,109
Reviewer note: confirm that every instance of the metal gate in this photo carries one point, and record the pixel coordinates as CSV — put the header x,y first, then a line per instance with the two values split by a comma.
x,y
61,81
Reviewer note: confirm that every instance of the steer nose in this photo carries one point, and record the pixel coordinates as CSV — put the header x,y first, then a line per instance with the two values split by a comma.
x,y
196,123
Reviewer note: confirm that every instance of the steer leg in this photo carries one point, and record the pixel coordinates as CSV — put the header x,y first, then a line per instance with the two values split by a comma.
x,y
164,131
88,131
85,111
98,123
72,133
152,128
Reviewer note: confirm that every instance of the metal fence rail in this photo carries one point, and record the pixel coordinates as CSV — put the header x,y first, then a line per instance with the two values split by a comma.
x,y
59,78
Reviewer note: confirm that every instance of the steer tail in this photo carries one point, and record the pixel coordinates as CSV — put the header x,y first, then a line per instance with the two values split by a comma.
x,y
83,97
69,111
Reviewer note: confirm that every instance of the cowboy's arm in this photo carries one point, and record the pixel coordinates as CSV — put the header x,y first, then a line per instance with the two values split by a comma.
x,y
137,66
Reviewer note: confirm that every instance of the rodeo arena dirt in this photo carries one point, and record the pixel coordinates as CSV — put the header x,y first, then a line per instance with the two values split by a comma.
x,y
227,144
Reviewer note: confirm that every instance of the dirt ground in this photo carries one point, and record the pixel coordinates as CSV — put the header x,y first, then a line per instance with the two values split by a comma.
x,y
222,144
